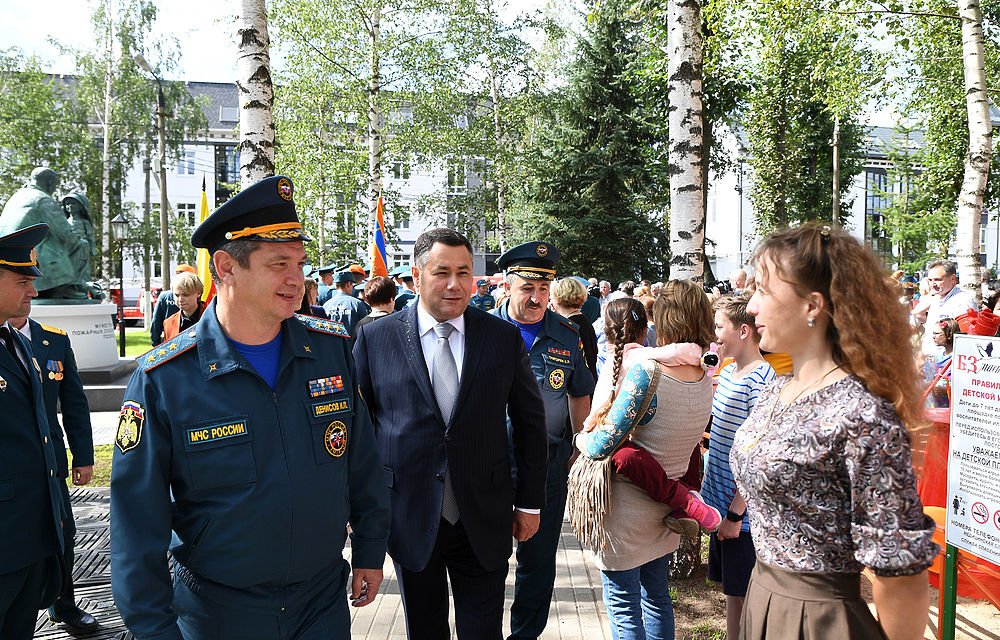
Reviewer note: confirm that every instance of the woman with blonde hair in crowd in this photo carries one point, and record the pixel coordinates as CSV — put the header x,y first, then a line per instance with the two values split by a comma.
x,y
823,460
567,298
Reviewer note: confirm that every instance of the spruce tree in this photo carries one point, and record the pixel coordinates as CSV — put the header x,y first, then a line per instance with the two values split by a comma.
x,y
587,192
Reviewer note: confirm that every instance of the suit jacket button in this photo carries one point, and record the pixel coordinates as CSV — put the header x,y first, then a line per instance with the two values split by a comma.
x,y
440,477
447,437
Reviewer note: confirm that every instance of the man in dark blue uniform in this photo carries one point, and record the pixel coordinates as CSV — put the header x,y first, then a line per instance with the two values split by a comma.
x,y
557,360
245,448
31,568
405,294
325,289
61,385
483,300
342,306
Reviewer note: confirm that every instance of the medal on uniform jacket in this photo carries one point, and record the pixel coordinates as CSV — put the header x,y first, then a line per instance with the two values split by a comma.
x,y
324,386
3,384
55,368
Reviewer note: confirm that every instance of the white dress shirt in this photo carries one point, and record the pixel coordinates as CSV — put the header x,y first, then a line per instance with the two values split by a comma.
x,y
428,344
428,340
953,304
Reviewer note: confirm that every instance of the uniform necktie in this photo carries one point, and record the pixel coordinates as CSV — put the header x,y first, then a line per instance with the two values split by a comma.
x,y
8,341
445,392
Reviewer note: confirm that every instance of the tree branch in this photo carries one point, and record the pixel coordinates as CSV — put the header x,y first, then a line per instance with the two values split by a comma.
x,y
907,14
323,55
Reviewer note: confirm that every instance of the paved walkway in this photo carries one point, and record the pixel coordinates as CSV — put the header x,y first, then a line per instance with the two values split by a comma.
x,y
577,611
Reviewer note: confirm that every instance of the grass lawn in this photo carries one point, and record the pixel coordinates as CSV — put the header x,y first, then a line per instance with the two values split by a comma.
x,y
102,462
136,342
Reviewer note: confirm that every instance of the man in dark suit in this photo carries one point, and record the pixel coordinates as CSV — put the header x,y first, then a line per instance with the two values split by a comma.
x,y
30,501
440,378
61,384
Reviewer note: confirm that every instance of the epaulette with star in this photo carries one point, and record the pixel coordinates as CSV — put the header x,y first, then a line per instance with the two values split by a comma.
x,y
569,324
57,330
167,350
331,327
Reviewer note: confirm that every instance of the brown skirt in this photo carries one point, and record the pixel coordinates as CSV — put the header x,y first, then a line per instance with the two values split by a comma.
x,y
790,605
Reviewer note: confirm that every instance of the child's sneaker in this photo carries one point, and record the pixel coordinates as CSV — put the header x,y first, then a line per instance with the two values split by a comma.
x,y
680,522
706,516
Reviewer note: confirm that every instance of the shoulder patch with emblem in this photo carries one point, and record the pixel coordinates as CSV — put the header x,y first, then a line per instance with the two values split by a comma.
x,y
53,329
330,327
167,350
130,422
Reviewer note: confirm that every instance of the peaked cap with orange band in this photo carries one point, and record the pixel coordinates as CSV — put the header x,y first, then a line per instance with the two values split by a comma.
x,y
17,250
531,260
264,212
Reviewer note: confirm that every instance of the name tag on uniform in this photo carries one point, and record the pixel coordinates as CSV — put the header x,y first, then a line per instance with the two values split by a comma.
x,y
324,386
320,409
215,433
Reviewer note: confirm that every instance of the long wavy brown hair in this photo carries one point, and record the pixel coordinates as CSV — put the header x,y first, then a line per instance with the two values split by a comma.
x,y
869,329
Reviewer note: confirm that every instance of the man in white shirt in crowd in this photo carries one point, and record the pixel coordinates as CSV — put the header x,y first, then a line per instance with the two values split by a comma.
x,y
947,300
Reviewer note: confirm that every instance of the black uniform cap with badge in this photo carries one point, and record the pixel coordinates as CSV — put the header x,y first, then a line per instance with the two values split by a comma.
x,y
263,212
17,250
531,261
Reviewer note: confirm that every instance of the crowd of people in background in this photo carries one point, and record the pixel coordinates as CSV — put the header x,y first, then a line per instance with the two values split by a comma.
x,y
491,405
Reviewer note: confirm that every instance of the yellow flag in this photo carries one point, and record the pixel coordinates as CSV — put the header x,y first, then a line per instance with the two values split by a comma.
x,y
203,257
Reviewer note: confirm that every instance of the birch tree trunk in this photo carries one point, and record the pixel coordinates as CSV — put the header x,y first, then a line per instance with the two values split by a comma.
x,y
977,160
105,214
256,94
374,127
684,70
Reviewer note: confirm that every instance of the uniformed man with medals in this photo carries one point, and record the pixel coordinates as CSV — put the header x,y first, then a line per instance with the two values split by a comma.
x,y
244,448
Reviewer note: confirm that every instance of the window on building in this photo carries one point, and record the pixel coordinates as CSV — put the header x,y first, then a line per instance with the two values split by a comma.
x,y
876,202
457,185
185,164
984,220
187,211
401,259
229,114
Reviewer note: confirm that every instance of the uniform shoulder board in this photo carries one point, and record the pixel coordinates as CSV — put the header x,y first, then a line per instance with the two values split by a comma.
x,y
330,327
167,350
570,325
57,330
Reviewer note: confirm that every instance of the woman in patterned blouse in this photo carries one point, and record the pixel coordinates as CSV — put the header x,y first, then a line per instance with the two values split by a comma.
x,y
824,458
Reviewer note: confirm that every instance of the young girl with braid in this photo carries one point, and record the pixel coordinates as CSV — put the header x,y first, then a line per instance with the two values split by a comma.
x,y
625,323
657,415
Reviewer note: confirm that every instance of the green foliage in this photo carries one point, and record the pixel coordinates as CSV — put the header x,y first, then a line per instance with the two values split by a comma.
x,y
40,126
808,68
426,71
114,93
590,181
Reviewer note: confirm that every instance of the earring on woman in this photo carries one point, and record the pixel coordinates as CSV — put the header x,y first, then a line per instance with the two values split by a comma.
x,y
811,322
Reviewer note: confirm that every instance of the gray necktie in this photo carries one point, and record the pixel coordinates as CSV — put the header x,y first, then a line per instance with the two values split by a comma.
x,y
445,391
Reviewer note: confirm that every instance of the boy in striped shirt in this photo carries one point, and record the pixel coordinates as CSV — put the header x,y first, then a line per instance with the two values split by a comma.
x,y
730,552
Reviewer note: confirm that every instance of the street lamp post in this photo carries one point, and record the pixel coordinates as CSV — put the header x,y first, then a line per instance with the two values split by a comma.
x,y
119,230
161,126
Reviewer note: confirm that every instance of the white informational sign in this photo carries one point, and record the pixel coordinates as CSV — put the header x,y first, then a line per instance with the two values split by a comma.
x,y
973,507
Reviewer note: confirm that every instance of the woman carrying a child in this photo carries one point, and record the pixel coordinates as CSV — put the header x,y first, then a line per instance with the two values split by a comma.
x,y
654,419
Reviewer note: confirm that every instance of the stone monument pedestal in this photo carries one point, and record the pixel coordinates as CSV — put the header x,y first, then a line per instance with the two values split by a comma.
x,y
90,328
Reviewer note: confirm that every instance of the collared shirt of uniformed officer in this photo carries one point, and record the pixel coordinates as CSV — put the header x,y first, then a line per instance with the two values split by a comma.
x,y
346,310
262,506
559,366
